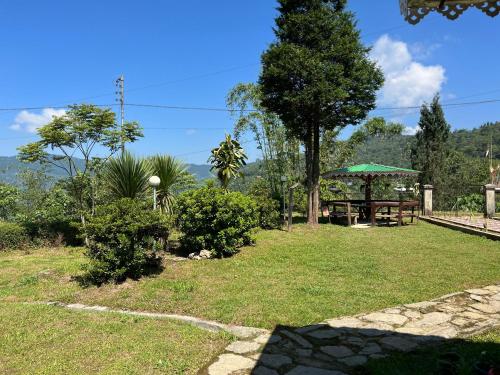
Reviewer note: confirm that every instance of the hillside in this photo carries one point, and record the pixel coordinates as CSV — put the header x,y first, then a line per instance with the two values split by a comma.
x,y
10,167
396,150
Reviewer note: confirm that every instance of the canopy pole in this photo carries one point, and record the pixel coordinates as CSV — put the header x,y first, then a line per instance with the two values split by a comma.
x,y
368,188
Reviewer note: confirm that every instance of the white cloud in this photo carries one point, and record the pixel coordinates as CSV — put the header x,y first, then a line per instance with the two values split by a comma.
x,y
409,130
407,82
190,132
30,121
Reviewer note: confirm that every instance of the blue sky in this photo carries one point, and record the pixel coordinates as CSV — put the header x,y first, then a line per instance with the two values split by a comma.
x,y
191,53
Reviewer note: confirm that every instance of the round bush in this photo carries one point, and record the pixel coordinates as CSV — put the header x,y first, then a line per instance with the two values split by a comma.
x,y
12,236
213,220
121,237
267,207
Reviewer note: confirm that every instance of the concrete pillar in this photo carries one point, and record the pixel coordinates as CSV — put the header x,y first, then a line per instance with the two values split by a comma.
x,y
490,203
428,200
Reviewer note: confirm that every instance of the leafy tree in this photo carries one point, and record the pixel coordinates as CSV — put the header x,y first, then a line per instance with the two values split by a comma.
x,y
126,176
317,77
267,207
280,153
431,148
228,159
46,209
337,153
8,201
174,178
78,134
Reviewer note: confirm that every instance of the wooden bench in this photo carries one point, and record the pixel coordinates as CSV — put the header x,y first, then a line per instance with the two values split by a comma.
x,y
405,209
336,214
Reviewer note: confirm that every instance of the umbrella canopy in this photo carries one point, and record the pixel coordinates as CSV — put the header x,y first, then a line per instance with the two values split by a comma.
x,y
371,170
368,172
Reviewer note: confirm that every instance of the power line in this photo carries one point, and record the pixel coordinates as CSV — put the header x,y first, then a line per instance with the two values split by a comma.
x,y
488,101
52,107
219,72
214,109
209,109
208,150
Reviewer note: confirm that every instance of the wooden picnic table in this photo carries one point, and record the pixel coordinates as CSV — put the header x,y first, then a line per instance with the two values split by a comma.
x,y
371,210
402,210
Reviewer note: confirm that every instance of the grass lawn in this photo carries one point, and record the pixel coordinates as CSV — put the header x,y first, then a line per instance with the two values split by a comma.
x,y
462,354
293,279
37,339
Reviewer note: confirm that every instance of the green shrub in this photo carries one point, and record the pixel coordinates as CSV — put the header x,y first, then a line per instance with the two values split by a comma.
x,y
121,237
268,208
47,214
12,236
470,203
216,221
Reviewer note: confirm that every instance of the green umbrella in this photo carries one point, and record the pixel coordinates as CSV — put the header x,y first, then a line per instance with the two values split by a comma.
x,y
368,172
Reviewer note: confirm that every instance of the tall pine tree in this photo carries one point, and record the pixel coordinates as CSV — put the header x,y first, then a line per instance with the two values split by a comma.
x,y
317,77
431,147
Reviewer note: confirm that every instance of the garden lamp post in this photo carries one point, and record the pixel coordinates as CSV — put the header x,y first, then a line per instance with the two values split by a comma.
x,y
154,182
283,180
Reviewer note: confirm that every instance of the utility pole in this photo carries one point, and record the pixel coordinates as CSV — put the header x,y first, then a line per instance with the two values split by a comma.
x,y
120,85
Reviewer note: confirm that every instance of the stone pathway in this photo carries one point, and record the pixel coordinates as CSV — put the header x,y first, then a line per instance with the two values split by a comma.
x,y
240,332
337,346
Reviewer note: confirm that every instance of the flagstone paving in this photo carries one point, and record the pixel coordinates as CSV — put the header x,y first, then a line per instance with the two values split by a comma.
x,y
337,346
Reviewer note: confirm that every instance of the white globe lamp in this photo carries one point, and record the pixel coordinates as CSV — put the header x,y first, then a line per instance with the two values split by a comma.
x,y
154,182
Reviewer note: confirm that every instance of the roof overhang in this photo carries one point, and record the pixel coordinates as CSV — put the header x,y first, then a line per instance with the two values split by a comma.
x,y
368,174
415,10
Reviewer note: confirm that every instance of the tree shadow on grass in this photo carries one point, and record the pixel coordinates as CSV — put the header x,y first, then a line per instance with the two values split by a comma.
x,y
95,277
324,350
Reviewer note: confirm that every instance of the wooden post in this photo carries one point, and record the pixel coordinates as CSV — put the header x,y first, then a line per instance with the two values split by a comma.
x,y
348,214
290,205
400,214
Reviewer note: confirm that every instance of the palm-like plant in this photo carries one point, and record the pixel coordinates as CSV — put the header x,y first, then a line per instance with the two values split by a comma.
x,y
126,176
173,177
228,159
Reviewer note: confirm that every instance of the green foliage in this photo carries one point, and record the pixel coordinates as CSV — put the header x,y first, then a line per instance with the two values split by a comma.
x,y
228,159
77,134
121,237
211,219
174,178
126,176
332,190
280,153
317,77
46,211
337,153
462,176
431,146
267,207
12,236
8,201
470,203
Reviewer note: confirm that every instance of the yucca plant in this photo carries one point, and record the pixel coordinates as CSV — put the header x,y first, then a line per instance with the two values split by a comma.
x,y
173,178
228,159
126,176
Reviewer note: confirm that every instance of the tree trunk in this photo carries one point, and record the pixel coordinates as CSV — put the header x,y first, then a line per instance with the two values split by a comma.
x,y
316,174
309,151
312,167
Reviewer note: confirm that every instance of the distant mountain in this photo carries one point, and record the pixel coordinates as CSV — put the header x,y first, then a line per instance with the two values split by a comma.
x,y
396,150
10,167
